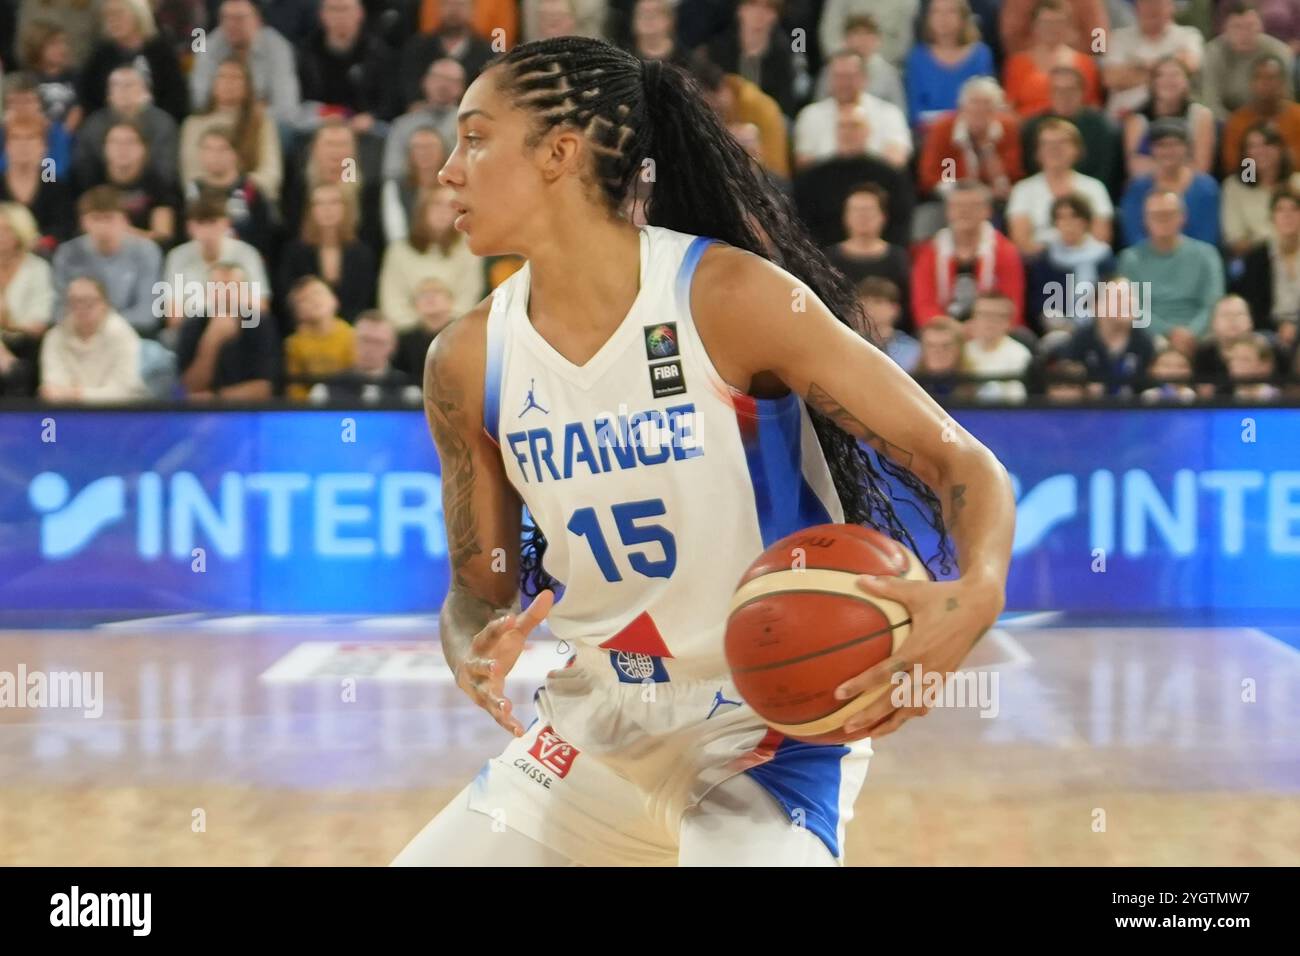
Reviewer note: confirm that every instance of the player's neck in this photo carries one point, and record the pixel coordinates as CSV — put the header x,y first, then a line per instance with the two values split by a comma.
x,y
586,277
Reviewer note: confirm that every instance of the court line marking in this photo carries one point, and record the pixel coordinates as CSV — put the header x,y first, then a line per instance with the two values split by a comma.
x,y
1260,632
209,621
300,663
1014,653
397,622
1030,619
156,619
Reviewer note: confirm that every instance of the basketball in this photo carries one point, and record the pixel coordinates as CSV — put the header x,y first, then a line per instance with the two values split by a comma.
x,y
799,626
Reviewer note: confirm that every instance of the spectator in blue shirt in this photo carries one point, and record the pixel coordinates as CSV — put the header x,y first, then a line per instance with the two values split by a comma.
x,y
1174,173
880,301
22,102
950,53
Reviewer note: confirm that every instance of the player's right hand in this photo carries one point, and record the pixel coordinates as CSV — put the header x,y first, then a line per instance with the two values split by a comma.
x,y
492,654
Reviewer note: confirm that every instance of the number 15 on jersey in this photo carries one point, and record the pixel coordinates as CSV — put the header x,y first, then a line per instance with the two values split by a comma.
x,y
585,523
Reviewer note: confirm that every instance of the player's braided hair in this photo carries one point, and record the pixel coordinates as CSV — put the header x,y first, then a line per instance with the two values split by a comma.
x,y
652,116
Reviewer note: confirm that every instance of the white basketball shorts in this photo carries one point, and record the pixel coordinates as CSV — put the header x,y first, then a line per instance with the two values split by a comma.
x,y
626,747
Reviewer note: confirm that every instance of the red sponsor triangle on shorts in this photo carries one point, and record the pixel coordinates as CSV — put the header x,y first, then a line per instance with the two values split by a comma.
x,y
640,636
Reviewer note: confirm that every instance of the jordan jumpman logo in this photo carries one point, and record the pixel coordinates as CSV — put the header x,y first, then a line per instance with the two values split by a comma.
x,y
530,402
718,701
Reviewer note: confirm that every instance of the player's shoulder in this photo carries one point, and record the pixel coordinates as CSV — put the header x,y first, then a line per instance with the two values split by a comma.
x,y
740,304
735,285
457,356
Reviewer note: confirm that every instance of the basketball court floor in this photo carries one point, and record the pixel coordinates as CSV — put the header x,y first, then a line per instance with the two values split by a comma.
x,y
331,741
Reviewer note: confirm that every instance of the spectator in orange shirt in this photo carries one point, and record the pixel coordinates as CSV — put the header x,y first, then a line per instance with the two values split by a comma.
x,y
1027,74
1269,103
462,30
738,101
1017,24
485,16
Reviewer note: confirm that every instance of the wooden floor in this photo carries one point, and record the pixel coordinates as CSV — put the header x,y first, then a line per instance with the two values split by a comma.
x,y
238,742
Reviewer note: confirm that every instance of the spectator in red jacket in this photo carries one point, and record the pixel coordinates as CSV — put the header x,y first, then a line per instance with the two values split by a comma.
x,y
966,258
981,140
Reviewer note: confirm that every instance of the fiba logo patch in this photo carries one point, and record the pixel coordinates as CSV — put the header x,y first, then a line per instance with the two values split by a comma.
x,y
633,667
666,377
661,340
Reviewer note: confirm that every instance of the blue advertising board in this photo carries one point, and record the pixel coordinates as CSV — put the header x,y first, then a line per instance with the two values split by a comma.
x,y
340,511
178,511
1151,510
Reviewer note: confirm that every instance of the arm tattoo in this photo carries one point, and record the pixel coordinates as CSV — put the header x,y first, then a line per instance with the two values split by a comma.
x,y
444,406
825,403
958,502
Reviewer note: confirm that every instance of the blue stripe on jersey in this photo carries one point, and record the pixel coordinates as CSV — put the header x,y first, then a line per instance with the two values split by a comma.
x,y
805,780
496,347
773,450
771,431
687,269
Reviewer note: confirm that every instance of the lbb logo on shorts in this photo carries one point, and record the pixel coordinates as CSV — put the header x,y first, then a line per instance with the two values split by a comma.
x,y
552,752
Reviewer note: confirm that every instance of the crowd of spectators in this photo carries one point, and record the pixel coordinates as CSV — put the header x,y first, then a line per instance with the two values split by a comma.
x,y
1061,198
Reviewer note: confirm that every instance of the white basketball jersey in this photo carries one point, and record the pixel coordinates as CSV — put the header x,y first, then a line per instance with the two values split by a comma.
x,y
655,482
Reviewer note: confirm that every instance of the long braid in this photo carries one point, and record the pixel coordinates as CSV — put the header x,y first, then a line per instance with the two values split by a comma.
x,y
713,188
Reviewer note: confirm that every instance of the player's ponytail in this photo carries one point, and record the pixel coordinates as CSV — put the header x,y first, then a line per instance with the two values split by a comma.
x,y
653,133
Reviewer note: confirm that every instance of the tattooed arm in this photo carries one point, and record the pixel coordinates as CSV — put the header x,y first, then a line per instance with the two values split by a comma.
x,y
948,474
747,310
766,331
480,638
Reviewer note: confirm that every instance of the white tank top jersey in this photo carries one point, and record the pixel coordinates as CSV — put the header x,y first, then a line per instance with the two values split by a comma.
x,y
655,482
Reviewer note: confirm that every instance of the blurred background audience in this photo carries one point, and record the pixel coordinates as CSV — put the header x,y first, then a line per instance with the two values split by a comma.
x,y
1070,200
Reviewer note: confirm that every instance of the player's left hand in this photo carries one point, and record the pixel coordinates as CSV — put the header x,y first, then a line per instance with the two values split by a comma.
x,y
948,617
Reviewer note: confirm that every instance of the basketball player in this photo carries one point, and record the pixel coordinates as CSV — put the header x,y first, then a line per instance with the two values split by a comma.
x,y
666,406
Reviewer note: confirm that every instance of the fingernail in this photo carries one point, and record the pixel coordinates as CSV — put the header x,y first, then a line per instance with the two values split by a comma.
x,y
867,578
841,693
